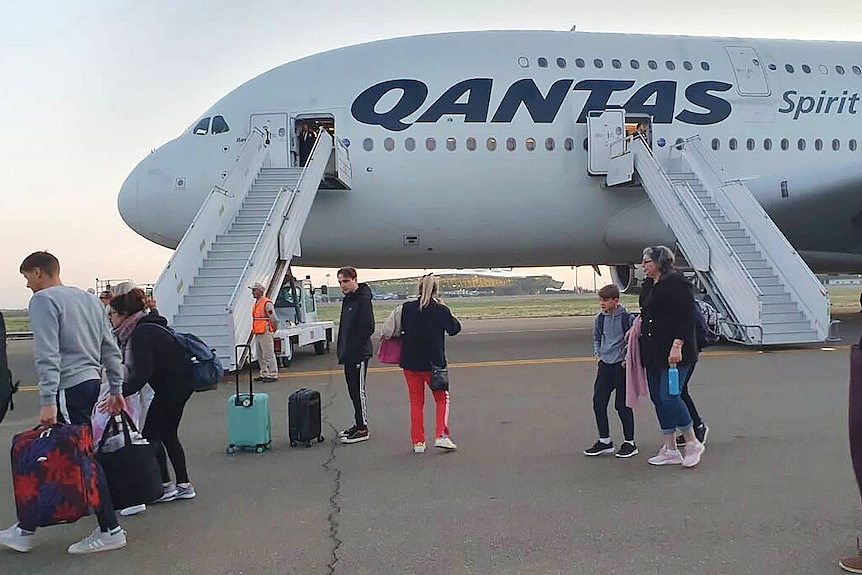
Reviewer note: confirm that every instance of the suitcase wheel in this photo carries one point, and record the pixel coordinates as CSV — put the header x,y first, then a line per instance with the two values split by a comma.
x,y
260,449
319,439
308,444
230,449
293,444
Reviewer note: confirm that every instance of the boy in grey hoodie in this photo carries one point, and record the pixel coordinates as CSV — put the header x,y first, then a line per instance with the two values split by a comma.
x,y
609,348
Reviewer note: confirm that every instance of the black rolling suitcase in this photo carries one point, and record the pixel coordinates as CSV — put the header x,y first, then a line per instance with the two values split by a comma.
x,y
303,417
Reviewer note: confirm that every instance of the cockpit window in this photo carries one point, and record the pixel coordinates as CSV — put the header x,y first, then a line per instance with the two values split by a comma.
x,y
219,125
202,128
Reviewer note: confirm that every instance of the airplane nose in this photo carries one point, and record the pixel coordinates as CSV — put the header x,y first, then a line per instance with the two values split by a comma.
x,y
128,201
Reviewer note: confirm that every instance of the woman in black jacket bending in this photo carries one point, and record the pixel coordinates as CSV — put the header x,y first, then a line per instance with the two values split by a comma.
x,y
424,323
668,340
153,356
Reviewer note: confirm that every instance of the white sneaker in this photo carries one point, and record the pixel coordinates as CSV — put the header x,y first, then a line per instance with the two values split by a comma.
x,y
98,541
15,538
693,452
133,510
665,457
419,447
445,443
169,493
187,492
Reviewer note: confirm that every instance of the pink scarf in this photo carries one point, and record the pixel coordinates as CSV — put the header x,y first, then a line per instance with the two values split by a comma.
x,y
636,380
124,332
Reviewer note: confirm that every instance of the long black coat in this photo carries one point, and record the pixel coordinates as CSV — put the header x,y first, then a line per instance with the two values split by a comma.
x,y
423,335
667,313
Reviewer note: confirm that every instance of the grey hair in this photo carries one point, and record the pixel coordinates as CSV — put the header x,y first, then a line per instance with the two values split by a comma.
x,y
661,256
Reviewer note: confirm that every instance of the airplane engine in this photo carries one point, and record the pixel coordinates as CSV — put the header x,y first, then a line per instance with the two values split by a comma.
x,y
628,278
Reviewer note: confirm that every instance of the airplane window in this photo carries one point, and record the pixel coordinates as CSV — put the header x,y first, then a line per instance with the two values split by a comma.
x,y
549,144
818,144
635,64
586,144
773,67
531,144
471,144
836,144
653,65
450,144
430,144
543,62
511,144
749,144
716,143
616,64
678,143
857,70
598,63
823,69
367,144
389,144
806,68
789,68
732,144
580,63
852,145
801,144
767,144
491,144
202,128
704,66
569,144
687,65
219,125
785,144
523,62
410,144
670,65
561,62
840,70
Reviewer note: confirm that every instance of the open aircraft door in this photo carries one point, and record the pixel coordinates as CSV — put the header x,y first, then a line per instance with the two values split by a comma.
x,y
276,130
606,138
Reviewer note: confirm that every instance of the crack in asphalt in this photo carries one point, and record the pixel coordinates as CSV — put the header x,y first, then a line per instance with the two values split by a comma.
x,y
334,505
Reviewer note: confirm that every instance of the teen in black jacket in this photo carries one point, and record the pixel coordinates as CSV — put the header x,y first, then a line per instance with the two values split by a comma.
x,y
354,348
668,340
153,356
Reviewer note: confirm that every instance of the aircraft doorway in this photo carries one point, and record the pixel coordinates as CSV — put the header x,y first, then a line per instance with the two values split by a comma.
x,y
305,129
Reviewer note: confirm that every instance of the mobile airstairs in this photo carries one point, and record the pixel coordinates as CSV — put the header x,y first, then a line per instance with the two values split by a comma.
x,y
764,291
247,231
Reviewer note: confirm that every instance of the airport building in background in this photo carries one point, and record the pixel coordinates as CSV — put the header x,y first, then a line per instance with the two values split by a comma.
x,y
469,283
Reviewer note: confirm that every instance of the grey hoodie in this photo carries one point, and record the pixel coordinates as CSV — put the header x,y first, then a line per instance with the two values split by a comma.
x,y
72,340
609,342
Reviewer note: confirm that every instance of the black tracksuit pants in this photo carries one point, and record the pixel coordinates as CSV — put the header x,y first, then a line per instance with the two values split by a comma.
x,y
355,374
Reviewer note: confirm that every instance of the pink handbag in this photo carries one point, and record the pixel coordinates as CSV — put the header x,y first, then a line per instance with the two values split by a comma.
x,y
389,351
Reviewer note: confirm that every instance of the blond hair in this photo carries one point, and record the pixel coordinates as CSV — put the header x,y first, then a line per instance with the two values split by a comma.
x,y
428,288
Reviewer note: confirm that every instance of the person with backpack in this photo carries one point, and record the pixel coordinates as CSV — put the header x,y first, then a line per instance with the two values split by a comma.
x,y
7,385
706,333
609,347
153,355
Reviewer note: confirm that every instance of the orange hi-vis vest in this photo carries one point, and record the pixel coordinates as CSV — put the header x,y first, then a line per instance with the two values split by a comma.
x,y
260,321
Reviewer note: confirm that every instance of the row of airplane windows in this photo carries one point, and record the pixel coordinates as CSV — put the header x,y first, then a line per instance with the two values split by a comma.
x,y
617,64
568,144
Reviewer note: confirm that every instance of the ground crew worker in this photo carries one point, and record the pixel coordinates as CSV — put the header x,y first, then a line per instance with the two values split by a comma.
x,y
264,324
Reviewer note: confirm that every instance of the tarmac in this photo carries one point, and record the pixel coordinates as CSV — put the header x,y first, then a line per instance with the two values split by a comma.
x,y
774,492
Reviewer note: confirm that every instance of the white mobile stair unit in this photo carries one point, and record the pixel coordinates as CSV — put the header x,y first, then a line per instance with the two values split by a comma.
x,y
246,231
765,292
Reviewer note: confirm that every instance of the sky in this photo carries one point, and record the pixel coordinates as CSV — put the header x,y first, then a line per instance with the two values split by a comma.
x,y
88,88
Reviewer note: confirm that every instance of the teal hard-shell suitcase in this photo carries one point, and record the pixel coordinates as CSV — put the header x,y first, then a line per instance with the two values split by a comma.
x,y
248,422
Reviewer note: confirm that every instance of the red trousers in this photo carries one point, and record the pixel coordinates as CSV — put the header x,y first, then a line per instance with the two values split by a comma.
x,y
416,382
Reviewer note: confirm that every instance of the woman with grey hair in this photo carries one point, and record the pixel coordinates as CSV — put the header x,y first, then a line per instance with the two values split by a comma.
x,y
668,340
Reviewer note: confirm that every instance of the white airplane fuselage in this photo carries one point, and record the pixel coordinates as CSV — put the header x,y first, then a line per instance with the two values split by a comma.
x,y
521,206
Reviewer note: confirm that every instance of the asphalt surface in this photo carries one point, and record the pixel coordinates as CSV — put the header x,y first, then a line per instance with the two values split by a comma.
x,y
773,494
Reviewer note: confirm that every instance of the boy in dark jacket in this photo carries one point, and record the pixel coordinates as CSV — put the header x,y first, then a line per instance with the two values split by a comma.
x,y
354,348
609,348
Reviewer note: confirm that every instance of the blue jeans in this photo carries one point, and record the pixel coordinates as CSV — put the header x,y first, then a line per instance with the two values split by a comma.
x,y
672,413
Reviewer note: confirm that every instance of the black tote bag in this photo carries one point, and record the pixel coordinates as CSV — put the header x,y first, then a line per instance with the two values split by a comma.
x,y
439,378
132,471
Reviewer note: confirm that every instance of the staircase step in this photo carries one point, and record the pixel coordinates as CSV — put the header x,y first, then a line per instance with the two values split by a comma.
x,y
775,308
237,238
782,298
735,234
190,322
778,338
243,247
206,300
241,255
755,264
771,280
208,332
188,310
223,281
773,290
782,318
757,273
747,256
728,226
743,248
218,272
223,291
237,264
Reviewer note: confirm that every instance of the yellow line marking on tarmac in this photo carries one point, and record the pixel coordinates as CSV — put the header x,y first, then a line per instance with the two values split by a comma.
x,y
520,362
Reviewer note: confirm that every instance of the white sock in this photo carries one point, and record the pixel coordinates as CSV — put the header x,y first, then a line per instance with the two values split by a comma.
x,y
183,485
605,440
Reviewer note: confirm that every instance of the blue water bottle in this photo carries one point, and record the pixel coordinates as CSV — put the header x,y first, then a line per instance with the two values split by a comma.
x,y
673,381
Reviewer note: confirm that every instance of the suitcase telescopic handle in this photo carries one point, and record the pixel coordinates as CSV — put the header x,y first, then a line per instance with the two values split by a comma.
x,y
238,401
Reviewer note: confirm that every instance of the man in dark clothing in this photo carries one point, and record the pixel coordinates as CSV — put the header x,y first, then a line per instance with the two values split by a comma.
x,y
306,143
354,347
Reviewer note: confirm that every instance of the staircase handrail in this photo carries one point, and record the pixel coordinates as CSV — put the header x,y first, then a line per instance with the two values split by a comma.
x,y
764,231
222,202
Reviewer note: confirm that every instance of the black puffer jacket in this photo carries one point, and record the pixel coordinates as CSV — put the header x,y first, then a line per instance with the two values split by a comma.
x,y
155,357
667,313
423,335
356,326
